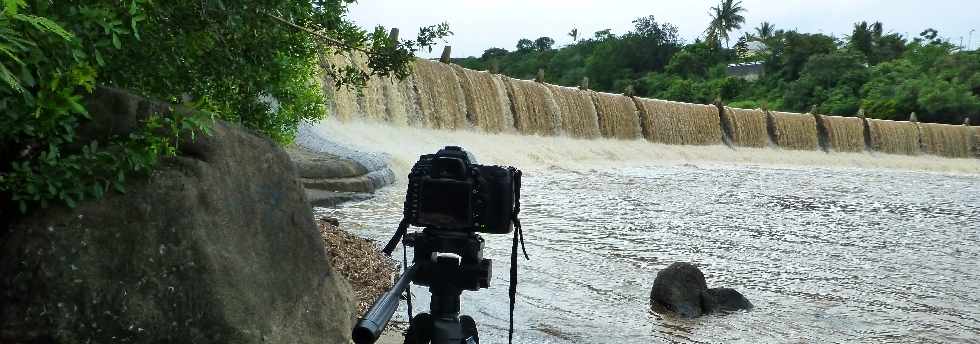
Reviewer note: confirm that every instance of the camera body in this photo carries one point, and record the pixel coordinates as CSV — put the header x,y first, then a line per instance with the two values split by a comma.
x,y
450,191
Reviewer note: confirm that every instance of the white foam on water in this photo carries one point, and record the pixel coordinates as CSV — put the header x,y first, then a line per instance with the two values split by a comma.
x,y
403,145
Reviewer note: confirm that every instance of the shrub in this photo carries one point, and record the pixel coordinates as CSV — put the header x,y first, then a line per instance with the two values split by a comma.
x,y
225,59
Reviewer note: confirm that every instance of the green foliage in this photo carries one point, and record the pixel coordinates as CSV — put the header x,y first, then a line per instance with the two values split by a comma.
x,y
928,80
544,43
252,62
831,82
885,73
725,18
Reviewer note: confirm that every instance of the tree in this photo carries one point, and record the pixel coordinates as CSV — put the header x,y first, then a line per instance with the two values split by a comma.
x,y
493,53
525,45
725,18
225,59
574,34
831,81
604,34
544,43
764,33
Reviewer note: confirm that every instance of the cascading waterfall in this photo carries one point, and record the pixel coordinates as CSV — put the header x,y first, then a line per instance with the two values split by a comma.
x,y
487,105
952,141
894,137
445,96
343,101
843,134
534,107
747,127
402,101
441,100
680,123
794,131
578,113
618,116
976,141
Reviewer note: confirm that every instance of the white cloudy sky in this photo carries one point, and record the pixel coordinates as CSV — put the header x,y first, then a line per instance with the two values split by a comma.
x,y
481,24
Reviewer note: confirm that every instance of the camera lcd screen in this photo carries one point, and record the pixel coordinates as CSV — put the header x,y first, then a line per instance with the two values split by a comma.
x,y
445,203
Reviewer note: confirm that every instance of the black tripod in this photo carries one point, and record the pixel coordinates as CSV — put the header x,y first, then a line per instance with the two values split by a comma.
x,y
448,262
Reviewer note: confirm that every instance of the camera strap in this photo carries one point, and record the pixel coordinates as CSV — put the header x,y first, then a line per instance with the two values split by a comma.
x,y
395,239
518,237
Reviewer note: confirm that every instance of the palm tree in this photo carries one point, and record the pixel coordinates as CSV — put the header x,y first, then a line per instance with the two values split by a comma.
x,y
765,32
725,18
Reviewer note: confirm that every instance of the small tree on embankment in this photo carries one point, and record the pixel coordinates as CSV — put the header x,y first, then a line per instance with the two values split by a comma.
x,y
216,58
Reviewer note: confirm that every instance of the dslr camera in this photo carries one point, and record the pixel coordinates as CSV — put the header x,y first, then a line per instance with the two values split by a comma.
x,y
449,191
452,198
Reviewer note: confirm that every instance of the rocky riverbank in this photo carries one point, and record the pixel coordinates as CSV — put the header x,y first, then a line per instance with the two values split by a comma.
x,y
369,272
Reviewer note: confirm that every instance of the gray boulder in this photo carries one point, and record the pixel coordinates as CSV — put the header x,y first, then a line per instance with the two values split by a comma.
x,y
678,289
216,246
717,300
681,288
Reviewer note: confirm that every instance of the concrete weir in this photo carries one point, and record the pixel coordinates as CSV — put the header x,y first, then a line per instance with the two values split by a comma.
x,y
745,128
894,137
440,95
618,117
953,141
534,107
841,134
680,123
793,130
579,117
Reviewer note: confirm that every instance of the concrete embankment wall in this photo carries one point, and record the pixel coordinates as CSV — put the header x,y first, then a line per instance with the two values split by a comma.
x,y
445,96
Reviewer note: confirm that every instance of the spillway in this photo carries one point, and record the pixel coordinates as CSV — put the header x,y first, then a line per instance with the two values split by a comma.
x,y
445,96
843,134
894,137
746,128
534,107
793,130
952,141
487,104
343,101
680,123
618,117
579,117
442,102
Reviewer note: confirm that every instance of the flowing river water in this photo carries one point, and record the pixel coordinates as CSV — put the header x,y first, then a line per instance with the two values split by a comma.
x,y
835,248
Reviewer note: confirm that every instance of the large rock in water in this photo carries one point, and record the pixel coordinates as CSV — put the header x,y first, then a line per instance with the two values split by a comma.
x,y
680,288
216,246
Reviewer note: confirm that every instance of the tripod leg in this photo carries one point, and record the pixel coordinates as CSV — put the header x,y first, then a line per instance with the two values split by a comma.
x,y
419,329
469,328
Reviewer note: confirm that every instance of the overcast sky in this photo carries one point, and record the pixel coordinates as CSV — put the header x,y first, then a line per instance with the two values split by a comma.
x,y
481,24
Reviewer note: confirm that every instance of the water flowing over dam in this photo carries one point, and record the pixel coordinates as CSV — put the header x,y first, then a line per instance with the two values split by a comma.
x,y
746,128
579,117
843,134
894,137
445,96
